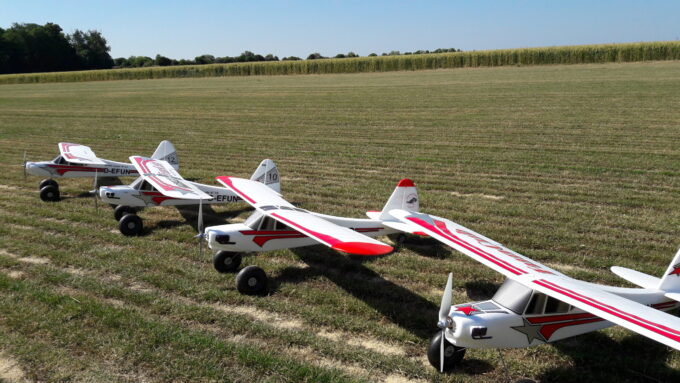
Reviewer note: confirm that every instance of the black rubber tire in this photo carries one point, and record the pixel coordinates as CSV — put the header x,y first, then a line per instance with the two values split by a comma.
x,y
453,355
130,225
46,182
227,261
252,280
120,211
398,240
49,193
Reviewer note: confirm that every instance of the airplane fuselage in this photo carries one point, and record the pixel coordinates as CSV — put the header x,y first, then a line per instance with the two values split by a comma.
x,y
490,324
264,234
132,195
59,168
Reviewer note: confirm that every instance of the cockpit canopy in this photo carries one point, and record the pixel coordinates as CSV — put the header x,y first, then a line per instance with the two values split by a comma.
x,y
523,300
259,221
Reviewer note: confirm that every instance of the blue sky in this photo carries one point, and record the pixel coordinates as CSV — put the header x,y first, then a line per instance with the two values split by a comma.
x,y
185,29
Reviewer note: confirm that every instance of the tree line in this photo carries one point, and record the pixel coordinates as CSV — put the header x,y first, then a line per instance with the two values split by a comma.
x,y
29,48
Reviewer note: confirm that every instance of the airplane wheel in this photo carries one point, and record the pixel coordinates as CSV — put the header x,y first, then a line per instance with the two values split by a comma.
x,y
453,355
130,225
49,193
252,280
399,240
121,210
226,261
46,182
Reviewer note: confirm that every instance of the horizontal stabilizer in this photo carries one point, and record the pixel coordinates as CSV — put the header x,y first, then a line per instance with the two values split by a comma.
x,y
637,278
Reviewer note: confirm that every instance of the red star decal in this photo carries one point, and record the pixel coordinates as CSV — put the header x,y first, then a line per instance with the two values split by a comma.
x,y
676,270
466,309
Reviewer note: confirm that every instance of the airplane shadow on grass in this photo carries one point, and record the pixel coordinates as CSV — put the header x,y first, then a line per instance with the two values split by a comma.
x,y
399,305
596,357
190,215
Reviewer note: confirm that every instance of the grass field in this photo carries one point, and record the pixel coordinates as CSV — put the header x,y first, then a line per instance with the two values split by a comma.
x,y
575,166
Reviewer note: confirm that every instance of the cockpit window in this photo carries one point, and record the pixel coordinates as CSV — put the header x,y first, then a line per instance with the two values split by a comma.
x,y
281,226
59,160
267,224
513,295
536,304
556,306
146,186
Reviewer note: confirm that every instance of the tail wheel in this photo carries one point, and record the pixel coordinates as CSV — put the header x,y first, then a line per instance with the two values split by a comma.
x,y
49,193
130,225
453,354
47,182
120,211
226,261
252,280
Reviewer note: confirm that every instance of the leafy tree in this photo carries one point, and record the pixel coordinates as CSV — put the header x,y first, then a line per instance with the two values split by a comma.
x,y
34,48
352,54
120,62
91,49
372,55
271,57
315,56
291,58
339,56
205,59
162,60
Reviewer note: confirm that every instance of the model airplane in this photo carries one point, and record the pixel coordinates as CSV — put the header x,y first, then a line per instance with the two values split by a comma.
x,y
537,304
159,184
79,161
277,224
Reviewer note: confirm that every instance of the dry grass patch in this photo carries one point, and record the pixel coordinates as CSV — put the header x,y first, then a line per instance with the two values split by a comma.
x,y
10,371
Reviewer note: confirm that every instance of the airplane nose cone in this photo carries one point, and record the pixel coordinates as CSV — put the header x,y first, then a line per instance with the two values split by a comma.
x,y
36,170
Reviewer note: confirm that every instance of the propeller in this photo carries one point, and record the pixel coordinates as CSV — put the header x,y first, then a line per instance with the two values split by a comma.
x,y
200,234
24,165
445,320
95,191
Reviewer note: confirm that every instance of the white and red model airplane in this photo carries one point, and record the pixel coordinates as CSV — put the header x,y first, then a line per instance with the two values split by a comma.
x,y
537,304
79,161
277,224
159,184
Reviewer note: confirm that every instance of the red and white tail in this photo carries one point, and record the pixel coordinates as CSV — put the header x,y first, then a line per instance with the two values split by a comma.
x,y
268,173
670,281
404,196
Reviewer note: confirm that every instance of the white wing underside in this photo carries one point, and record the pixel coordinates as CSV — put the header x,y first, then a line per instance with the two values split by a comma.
x,y
163,176
270,203
634,316
79,154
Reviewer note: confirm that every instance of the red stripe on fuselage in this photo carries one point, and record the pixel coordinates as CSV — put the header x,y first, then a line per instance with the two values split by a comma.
x,y
644,323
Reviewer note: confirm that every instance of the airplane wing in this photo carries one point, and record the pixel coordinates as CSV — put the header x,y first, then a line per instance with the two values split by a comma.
x,y
79,154
647,321
271,204
165,178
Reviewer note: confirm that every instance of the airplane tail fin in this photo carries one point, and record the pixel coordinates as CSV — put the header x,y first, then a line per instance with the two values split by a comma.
x,y
405,196
166,151
670,281
268,174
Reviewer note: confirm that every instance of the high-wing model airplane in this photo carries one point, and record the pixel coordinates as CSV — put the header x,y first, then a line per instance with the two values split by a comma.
x,y
159,184
277,224
79,161
537,304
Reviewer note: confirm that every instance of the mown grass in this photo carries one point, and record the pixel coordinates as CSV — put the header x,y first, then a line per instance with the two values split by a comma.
x,y
579,54
576,166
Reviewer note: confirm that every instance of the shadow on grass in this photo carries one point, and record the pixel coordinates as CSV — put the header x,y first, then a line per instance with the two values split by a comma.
x,y
190,215
426,247
400,305
598,358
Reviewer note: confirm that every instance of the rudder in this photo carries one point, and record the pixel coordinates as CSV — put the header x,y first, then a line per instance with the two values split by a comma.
x,y
268,173
404,196
670,281
166,152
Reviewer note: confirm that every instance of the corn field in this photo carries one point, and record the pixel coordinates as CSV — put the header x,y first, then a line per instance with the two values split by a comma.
x,y
582,54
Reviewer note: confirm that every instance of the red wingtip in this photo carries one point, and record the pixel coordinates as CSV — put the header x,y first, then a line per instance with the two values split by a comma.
x,y
406,183
362,248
